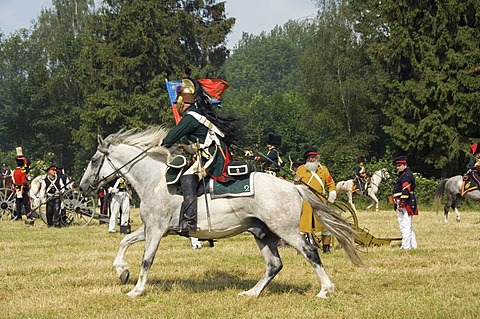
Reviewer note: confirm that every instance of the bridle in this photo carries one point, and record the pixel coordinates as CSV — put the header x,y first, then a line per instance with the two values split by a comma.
x,y
98,180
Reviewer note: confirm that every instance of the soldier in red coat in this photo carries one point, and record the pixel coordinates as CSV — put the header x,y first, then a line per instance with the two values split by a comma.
x,y
20,183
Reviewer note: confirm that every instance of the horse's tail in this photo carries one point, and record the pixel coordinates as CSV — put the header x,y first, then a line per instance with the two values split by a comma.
x,y
335,223
438,194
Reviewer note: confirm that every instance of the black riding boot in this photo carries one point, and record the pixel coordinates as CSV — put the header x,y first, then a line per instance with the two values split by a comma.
x,y
188,212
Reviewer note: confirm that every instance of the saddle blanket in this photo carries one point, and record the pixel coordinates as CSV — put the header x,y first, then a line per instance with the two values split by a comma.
x,y
241,187
469,184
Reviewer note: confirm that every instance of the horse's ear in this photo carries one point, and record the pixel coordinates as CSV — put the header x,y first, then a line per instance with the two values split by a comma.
x,y
99,139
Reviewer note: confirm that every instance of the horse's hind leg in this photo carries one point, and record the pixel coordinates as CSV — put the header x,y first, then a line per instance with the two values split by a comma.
x,y
153,234
450,203
310,253
269,248
374,201
456,203
121,266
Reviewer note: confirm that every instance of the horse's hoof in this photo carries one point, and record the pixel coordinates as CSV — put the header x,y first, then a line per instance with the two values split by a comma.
x,y
458,220
326,293
124,276
133,294
248,293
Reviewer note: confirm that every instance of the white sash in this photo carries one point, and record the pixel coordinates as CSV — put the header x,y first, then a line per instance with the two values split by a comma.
x,y
213,131
318,179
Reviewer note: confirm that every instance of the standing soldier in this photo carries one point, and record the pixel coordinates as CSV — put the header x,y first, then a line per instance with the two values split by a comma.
x,y
6,176
52,188
272,162
20,182
120,203
67,185
317,177
61,174
405,202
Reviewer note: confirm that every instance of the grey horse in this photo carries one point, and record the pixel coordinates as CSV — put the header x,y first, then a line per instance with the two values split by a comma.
x,y
453,188
271,214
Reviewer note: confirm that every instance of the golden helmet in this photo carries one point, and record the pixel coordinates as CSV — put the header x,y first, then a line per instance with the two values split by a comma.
x,y
188,92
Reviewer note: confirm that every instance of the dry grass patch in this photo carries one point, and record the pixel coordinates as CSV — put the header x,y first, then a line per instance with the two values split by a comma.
x,y
68,273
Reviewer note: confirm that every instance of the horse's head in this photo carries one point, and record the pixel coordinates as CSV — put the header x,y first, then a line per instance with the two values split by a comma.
x,y
385,174
120,153
98,171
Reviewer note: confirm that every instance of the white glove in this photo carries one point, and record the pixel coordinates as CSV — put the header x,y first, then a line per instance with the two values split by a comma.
x,y
332,196
114,191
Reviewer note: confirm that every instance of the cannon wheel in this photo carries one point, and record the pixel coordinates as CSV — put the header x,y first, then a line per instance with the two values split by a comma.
x,y
79,210
347,212
7,203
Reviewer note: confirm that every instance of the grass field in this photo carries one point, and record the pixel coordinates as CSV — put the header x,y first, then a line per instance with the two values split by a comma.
x,y
68,273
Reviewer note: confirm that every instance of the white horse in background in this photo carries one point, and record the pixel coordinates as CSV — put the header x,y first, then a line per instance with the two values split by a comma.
x,y
271,214
34,192
376,179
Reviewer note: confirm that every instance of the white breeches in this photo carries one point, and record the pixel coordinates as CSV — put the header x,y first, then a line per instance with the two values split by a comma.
x,y
120,201
405,221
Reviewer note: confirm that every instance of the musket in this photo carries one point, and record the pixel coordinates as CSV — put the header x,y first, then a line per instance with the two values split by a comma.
x,y
199,158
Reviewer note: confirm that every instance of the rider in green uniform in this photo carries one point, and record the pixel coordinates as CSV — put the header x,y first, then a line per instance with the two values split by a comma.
x,y
209,133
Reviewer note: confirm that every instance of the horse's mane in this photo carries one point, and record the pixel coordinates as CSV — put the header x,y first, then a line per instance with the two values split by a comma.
x,y
151,138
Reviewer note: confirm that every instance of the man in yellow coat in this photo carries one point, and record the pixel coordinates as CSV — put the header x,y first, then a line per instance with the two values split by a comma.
x,y
318,177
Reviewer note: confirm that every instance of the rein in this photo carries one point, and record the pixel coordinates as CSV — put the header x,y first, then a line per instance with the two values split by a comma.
x,y
97,181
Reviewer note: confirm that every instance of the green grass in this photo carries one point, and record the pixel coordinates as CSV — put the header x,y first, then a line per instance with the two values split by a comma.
x,y
68,273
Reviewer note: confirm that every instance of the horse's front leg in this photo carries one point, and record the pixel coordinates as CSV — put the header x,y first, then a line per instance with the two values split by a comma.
x,y
121,266
153,234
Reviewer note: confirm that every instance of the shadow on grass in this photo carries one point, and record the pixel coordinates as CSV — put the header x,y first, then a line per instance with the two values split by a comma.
x,y
215,280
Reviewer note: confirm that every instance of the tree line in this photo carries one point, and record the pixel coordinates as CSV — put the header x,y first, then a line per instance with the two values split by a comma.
x,y
363,77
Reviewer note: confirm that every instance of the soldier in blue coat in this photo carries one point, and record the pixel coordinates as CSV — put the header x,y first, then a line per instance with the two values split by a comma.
x,y
271,162
405,202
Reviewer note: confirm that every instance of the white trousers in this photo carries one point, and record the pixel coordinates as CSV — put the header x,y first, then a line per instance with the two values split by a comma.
x,y
405,221
119,201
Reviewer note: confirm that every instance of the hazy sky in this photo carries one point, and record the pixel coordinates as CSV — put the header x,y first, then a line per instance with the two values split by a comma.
x,y
253,16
